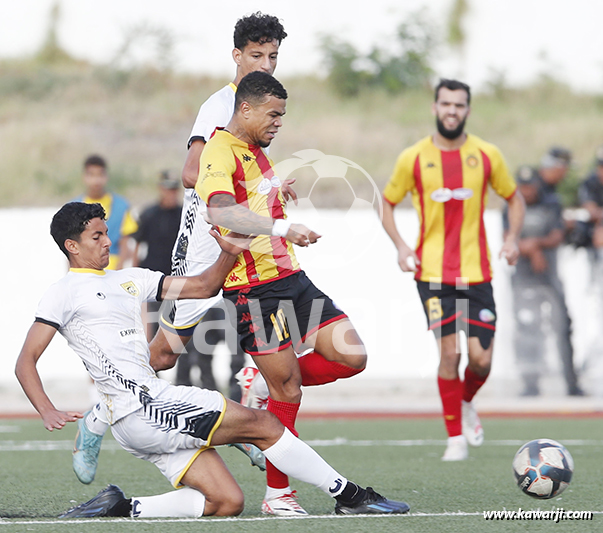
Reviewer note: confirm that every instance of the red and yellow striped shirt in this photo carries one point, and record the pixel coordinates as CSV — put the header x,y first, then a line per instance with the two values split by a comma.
x,y
231,166
450,192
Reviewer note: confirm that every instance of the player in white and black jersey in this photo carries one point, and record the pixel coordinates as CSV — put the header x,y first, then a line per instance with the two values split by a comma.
x,y
99,313
257,38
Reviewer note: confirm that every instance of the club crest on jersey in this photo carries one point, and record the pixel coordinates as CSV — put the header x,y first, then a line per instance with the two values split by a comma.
x,y
130,288
472,161
265,186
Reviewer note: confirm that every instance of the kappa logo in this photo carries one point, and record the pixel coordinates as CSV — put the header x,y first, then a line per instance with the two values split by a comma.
x,y
208,167
247,158
130,288
430,165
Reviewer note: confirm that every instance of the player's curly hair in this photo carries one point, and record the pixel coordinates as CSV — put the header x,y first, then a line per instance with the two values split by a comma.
x,y
258,28
452,85
71,220
255,86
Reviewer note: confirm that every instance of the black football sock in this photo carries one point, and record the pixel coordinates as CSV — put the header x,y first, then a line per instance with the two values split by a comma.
x,y
352,494
121,508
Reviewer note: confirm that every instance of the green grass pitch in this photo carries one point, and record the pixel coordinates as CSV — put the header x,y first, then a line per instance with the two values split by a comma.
x,y
398,457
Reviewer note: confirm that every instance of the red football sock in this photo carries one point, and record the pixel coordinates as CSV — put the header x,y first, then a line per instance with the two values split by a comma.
x,y
286,413
451,392
316,370
472,384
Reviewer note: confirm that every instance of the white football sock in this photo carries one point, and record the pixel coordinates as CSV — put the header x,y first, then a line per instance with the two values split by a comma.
x,y
96,421
272,494
182,503
295,458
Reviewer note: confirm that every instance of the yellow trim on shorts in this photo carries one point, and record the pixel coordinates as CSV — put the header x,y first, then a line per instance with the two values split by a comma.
x,y
208,446
173,328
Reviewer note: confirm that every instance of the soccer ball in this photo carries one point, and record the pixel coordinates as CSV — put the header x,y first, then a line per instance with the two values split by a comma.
x,y
543,468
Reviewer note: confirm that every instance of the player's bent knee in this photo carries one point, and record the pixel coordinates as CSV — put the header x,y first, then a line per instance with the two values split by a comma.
x,y
233,506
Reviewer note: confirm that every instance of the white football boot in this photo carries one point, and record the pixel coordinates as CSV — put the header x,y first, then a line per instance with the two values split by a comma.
x,y
456,449
285,505
472,426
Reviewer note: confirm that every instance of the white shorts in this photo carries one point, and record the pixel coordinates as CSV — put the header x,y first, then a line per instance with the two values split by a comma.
x,y
173,429
181,316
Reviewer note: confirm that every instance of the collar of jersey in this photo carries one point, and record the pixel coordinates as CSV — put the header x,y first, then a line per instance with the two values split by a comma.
x,y
87,271
237,141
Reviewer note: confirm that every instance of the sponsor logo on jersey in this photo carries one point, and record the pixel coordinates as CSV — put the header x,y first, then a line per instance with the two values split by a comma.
x,y
131,335
130,288
131,331
276,182
472,161
265,186
444,194
462,193
430,165
485,315
441,195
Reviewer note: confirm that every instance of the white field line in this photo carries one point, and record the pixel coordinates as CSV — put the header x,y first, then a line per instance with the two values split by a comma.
x,y
408,516
60,445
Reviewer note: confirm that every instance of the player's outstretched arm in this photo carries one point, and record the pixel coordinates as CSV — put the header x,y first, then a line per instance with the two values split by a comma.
x,y
37,340
209,282
224,211
407,258
516,212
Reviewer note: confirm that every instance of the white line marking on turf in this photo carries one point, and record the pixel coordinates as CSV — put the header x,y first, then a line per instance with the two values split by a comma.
x,y
60,445
445,514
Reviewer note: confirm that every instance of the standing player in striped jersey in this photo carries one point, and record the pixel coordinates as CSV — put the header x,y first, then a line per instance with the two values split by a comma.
x,y
257,38
448,174
277,307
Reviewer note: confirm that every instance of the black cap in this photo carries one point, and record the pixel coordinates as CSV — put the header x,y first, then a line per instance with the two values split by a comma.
x,y
169,180
526,175
557,156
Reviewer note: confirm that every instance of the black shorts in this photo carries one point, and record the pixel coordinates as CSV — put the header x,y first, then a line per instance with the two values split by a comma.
x,y
281,313
449,309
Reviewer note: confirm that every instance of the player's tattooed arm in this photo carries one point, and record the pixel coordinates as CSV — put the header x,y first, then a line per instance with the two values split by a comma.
x,y
224,211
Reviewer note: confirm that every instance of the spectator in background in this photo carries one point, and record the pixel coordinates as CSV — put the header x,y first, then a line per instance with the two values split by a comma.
x,y
590,196
535,282
553,169
157,231
120,222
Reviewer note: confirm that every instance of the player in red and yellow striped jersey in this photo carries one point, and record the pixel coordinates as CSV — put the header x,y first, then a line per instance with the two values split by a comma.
x,y
276,306
448,175
244,172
